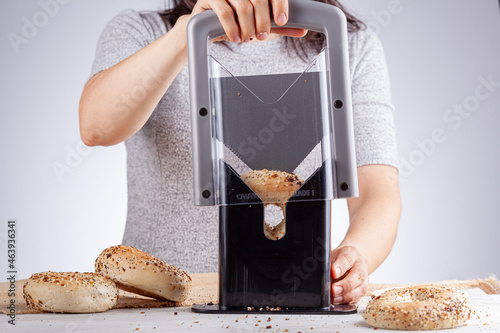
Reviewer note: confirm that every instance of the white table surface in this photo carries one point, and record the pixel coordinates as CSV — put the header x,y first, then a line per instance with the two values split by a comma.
x,y
486,317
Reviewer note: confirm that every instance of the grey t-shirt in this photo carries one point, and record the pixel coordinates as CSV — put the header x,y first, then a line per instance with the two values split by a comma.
x,y
161,218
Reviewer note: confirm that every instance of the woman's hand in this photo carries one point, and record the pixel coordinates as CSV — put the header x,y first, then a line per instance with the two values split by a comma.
x,y
349,271
244,20
373,226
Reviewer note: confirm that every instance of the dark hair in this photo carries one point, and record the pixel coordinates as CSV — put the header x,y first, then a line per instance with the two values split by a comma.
x,y
314,40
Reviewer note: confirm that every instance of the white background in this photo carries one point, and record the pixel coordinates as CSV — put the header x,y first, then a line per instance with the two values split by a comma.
x,y
438,51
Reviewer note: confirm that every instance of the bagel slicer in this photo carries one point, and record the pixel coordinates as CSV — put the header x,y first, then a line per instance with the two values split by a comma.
x,y
296,120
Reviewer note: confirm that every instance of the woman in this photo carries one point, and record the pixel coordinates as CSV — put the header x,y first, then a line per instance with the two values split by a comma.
x,y
138,93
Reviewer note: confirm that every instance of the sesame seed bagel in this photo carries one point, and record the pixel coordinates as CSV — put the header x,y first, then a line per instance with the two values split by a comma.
x,y
139,272
69,292
272,186
418,309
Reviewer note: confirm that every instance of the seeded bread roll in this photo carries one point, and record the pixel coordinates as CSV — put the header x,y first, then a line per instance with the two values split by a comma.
x,y
139,272
69,292
418,309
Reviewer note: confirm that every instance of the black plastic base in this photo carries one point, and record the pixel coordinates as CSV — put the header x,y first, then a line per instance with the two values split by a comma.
x,y
292,272
333,310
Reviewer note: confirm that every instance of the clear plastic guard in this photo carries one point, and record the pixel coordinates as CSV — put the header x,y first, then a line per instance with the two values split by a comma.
x,y
272,134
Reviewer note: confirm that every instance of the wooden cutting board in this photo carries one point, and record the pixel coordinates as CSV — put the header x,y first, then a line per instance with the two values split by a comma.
x,y
205,290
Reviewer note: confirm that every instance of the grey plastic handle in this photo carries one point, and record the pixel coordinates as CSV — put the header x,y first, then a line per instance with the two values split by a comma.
x,y
303,14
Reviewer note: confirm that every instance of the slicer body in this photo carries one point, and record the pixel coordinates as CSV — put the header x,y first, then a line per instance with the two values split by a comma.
x,y
299,123
289,274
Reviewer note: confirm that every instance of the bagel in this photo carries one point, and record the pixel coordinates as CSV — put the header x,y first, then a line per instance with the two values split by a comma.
x,y
139,272
418,308
70,292
273,188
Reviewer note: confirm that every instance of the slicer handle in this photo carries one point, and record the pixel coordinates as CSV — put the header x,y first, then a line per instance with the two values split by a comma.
x,y
303,14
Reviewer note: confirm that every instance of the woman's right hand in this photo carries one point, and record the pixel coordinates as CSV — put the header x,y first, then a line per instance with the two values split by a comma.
x,y
244,20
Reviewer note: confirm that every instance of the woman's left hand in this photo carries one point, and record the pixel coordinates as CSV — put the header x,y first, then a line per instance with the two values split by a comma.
x,y
349,271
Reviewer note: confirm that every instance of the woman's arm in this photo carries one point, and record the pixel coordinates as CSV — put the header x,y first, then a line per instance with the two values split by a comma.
x,y
374,219
118,101
108,114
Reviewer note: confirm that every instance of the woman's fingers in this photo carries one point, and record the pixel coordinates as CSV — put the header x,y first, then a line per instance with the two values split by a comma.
x,y
262,18
352,287
280,11
246,18
226,16
349,271
291,32
342,260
